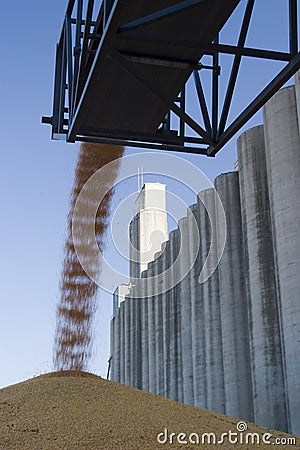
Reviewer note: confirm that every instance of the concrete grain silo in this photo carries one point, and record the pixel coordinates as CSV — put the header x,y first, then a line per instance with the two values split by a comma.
x,y
283,174
265,339
215,397
233,303
198,320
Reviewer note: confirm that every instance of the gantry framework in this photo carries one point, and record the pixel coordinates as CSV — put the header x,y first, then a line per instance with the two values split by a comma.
x,y
122,70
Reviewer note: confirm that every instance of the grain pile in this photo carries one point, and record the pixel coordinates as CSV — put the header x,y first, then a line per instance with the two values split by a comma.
x,y
73,336
79,411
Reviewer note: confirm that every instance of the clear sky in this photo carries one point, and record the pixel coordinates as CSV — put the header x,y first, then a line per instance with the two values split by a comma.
x,y
37,175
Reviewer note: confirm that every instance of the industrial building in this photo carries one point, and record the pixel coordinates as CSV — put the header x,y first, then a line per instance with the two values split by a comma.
x,y
232,343
149,227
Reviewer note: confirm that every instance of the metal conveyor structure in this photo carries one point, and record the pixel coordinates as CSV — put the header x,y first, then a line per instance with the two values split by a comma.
x,y
122,68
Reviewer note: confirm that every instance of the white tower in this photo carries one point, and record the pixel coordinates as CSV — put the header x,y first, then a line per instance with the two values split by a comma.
x,y
149,228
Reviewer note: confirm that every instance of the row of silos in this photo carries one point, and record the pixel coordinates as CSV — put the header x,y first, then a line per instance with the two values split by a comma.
x,y
229,344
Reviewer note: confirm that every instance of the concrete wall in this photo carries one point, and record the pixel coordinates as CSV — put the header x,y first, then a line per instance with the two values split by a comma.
x,y
231,343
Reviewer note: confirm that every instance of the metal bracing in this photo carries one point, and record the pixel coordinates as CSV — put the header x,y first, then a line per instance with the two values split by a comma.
x,y
91,41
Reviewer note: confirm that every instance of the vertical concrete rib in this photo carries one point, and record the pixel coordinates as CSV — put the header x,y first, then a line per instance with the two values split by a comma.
x,y
297,91
211,300
112,349
134,265
151,329
171,374
233,303
159,340
283,169
165,314
117,353
144,333
122,343
175,376
197,307
137,309
185,307
132,336
127,340
265,343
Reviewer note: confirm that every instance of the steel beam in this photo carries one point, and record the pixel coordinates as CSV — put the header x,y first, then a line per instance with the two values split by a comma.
x,y
146,145
57,91
150,18
68,41
293,18
215,95
162,62
160,135
257,103
83,56
202,102
209,48
62,86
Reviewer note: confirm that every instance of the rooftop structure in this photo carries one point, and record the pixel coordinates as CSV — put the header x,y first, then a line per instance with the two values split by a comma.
x,y
122,68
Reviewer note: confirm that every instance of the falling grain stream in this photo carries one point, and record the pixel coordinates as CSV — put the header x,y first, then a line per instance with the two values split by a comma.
x,y
77,304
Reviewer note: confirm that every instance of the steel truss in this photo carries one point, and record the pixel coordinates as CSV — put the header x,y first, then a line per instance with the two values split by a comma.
x,y
81,40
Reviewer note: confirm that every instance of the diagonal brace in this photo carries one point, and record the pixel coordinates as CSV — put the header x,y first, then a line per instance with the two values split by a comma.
x,y
185,117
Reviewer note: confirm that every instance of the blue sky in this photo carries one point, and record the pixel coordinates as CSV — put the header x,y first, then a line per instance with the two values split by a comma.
x,y
37,175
